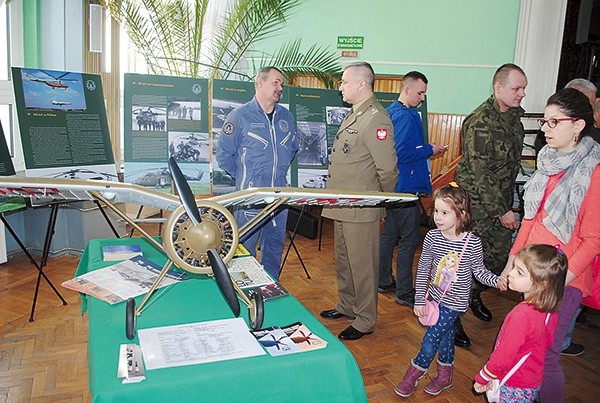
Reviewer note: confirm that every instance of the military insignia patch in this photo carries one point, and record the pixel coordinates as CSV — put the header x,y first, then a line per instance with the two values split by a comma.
x,y
284,126
228,128
381,134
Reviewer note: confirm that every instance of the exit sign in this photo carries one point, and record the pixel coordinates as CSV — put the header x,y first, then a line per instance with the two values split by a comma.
x,y
350,42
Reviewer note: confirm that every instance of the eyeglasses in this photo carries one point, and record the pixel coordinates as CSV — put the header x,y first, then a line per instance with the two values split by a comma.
x,y
552,122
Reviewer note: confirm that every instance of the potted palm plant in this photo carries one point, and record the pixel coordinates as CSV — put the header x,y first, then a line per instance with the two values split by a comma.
x,y
204,38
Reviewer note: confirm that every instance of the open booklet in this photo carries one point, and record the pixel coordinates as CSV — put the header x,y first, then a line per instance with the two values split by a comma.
x,y
289,339
122,280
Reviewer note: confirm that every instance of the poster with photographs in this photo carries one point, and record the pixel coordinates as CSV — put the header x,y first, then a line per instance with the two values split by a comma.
x,y
227,96
319,114
63,126
166,116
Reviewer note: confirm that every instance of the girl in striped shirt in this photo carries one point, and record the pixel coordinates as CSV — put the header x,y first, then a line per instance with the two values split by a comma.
x,y
451,256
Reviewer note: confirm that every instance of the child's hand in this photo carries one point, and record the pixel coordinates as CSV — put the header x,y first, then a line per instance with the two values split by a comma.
x,y
503,283
420,311
479,388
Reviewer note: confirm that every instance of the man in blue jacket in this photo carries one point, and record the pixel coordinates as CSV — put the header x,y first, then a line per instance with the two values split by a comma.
x,y
256,146
402,224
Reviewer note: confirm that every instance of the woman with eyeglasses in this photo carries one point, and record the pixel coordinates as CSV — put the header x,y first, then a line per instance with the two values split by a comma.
x,y
559,210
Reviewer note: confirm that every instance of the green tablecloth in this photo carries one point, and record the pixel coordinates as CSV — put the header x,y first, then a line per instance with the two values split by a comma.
x,y
326,375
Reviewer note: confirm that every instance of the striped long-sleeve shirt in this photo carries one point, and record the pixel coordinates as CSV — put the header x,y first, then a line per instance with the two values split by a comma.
x,y
439,258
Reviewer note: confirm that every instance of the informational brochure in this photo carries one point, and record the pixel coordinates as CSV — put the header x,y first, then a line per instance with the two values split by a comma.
x,y
122,280
247,272
197,343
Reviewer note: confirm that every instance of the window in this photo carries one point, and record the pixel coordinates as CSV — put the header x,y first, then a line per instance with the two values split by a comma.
x,y
11,53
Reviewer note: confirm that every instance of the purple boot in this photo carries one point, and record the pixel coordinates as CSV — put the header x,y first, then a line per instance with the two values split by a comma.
x,y
442,381
409,383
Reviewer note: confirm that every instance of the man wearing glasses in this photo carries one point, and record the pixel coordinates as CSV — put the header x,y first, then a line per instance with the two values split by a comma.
x,y
492,142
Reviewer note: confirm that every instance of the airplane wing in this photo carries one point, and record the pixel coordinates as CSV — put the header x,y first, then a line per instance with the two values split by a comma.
x,y
46,190
320,197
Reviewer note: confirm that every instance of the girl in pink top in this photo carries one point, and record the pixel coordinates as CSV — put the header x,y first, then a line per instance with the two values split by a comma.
x,y
561,207
539,272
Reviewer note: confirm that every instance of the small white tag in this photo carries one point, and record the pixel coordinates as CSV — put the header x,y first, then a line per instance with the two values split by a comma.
x,y
131,366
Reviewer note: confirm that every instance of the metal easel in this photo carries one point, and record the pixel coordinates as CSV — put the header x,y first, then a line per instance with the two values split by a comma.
x,y
291,236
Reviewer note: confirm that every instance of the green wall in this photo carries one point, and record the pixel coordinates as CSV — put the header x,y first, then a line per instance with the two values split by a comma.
x,y
457,44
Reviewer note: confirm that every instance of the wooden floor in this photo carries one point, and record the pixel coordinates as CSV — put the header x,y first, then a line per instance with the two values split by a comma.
x,y
46,360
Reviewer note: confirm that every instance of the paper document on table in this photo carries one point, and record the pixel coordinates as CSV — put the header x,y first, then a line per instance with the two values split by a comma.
x,y
197,343
122,280
247,272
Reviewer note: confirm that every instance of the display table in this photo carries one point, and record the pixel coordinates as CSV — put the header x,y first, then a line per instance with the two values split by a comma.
x,y
330,374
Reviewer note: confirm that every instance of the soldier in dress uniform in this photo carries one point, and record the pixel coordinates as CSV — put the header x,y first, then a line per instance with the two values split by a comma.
x,y
492,142
363,158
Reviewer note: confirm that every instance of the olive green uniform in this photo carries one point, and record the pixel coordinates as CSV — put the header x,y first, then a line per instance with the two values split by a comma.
x,y
492,142
362,158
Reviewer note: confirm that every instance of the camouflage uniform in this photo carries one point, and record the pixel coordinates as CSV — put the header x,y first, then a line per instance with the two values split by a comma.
x,y
492,143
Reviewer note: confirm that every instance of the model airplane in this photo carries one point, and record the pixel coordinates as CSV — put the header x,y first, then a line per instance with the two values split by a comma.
x,y
200,235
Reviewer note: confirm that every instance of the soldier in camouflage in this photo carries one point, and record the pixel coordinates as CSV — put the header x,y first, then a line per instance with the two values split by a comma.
x,y
492,142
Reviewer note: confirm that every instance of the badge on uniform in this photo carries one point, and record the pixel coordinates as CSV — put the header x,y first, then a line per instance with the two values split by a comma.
x,y
228,128
351,131
381,134
284,126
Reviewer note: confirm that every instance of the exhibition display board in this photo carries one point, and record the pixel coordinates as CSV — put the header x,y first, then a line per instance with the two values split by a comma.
x,y
163,117
63,126
329,374
171,116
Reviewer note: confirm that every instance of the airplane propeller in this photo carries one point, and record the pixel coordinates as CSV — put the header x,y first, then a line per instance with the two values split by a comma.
x,y
212,237
224,281
185,192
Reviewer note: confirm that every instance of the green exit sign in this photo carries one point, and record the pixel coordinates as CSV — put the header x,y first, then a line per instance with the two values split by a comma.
x,y
350,42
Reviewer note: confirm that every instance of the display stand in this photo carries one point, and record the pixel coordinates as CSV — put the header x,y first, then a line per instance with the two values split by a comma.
x,y
39,267
50,230
291,236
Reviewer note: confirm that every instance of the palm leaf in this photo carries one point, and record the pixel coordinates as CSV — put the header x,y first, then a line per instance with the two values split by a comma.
x,y
169,35
321,62
248,22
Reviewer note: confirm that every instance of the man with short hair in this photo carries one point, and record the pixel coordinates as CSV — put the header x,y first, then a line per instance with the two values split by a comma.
x,y
256,146
362,159
492,143
402,224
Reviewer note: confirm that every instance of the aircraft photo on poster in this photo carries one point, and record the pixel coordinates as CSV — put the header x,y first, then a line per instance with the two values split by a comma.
x,y
166,120
157,175
148,118
63,125
49,89
189,147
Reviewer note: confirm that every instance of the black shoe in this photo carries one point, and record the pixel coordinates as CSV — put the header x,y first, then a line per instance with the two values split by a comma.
x,y
407,299
350,333
478,309
460,336
387,288
334,314
573,350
